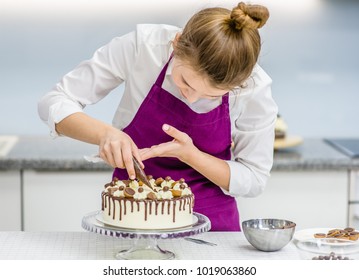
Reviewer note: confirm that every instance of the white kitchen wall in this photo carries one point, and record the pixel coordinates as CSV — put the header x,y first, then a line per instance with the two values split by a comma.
x,y
310,49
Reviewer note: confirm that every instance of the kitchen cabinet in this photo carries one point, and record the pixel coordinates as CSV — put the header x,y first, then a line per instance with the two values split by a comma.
x,y
10,201
311,199
57,201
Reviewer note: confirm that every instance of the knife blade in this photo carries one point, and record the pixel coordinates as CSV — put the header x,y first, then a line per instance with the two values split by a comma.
x,y
140,174
200,241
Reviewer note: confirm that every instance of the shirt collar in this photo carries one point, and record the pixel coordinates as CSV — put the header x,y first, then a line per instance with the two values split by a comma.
x,y
170,65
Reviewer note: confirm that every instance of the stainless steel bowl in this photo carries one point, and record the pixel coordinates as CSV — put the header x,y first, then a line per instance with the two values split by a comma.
x,y
268,234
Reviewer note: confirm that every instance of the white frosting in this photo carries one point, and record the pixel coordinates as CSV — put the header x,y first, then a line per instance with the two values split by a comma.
x,y
140,195
177,187
120,183
185,185
164,195
146,188
152,182
167,183
157,188
108,188
118,193
133,184
186,191
114,214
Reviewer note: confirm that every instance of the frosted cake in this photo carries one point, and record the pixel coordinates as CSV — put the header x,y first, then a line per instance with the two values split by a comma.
x,y
165,204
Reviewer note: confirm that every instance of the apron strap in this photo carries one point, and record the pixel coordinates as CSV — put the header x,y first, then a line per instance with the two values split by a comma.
x,y
162,74
225,98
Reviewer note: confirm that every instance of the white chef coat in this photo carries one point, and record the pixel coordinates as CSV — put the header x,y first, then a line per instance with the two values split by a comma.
x,y
137,59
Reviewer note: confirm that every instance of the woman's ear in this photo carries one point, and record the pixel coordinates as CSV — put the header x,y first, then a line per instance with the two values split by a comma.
x,y
178,35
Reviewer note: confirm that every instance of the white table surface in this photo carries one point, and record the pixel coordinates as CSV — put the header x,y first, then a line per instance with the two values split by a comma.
x,y
91,246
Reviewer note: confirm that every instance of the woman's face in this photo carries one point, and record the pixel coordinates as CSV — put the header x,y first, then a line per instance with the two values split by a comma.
x,y
191,85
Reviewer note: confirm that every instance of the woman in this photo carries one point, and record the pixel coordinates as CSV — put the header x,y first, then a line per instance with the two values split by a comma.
x,y
196,105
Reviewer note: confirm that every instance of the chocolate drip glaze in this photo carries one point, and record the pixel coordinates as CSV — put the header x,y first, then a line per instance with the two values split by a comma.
x,y
114,209
180,206
150,206
103,205
138,206
120,215
156,207
131,206
174,210
109,201
146,210
162,208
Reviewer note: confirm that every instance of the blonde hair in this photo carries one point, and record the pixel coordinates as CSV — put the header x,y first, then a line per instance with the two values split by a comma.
x,y
221,44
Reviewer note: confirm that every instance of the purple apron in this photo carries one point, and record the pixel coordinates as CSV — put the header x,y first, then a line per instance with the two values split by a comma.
x,y
210,132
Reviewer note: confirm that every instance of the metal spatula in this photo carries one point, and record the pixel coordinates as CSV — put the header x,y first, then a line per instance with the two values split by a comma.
x,y
140,174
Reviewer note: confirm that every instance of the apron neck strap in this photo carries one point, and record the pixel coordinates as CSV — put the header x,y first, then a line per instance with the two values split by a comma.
x,y
225,98
162,75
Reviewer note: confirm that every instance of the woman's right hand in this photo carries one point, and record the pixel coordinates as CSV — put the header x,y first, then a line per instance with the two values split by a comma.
x,y
117,149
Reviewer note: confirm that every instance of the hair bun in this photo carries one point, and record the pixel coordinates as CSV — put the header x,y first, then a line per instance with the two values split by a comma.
x,y
249,16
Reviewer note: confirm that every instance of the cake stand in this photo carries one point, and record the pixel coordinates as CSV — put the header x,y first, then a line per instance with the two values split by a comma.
x,y
144,244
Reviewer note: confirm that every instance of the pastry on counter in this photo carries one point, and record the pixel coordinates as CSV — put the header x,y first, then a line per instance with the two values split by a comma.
x,y
280,128
282,139
347,233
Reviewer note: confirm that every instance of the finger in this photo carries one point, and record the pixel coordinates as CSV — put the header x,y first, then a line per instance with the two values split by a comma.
x,y
116,155
128,161
106,154
147,154
137,154
144,154
104,158
161,150
175,133
143,151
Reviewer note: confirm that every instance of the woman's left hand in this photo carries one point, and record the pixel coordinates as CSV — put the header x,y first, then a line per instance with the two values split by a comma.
x,y
180,147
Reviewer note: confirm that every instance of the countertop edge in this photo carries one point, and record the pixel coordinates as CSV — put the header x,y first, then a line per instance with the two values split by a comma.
x,y
64,154
51,165
81,165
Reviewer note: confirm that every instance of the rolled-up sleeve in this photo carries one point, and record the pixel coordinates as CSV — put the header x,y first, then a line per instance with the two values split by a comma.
x,y
89,82
253,137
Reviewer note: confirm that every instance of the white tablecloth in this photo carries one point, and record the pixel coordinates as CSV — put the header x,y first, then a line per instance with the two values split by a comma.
x,y
92,246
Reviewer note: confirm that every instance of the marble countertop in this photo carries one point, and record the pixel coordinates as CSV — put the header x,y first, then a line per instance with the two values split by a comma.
x,y
44,153
312,155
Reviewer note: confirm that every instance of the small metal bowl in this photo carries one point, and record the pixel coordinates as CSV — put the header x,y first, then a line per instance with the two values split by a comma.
x,y
268,234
